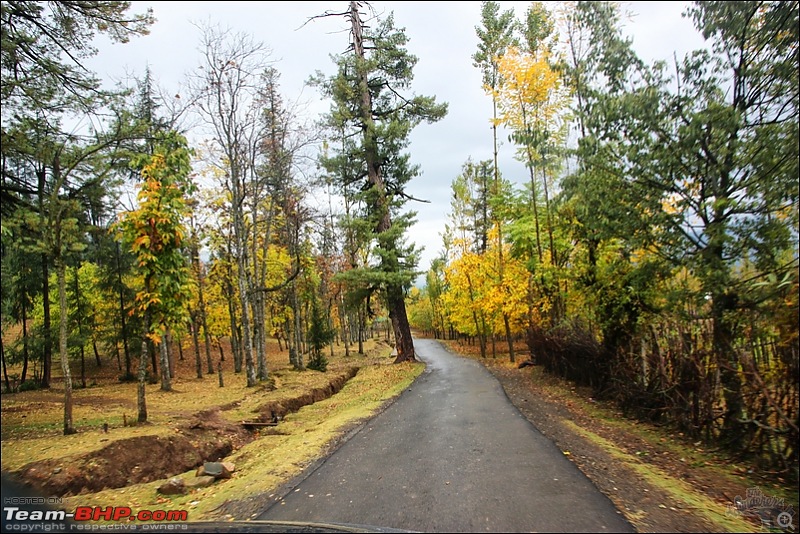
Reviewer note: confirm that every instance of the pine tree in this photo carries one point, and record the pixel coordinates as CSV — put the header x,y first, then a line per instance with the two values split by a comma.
x,y
367,103
320,335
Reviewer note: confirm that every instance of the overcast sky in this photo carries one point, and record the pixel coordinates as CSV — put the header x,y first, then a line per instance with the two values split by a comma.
x,y
442,35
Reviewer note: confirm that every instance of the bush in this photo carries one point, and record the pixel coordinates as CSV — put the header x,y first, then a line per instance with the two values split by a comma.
x,y
318,362
127,377
28,385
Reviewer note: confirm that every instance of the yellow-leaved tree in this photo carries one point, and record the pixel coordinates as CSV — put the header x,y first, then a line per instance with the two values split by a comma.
x,y
533,103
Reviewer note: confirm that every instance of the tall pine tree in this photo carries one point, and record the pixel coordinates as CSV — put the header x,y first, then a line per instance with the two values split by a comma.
x,y
368,102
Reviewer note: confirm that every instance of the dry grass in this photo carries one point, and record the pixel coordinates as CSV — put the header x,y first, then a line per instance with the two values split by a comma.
x,y
32,424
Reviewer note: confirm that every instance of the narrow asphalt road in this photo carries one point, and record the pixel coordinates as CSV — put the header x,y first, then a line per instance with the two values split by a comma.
x,y
451,454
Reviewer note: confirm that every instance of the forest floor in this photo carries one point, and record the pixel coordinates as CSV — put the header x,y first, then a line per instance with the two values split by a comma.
x,y
660,480
114,461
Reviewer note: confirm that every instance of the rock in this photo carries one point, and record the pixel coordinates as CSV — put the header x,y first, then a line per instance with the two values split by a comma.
x,y
200,482
230,466
175,486
214,469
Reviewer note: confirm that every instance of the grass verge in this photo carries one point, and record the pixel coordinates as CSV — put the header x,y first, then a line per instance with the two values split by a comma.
x,y
268,462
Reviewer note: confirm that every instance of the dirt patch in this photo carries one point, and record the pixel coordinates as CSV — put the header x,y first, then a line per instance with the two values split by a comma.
x,y
206,436
585,440
136,460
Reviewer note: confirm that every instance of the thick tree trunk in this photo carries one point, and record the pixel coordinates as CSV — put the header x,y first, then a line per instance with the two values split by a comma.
x,y
733,430
402,330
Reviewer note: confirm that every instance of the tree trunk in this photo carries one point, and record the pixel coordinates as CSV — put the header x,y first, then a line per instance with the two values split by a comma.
x,y
166,379
733,430
345,332
197,360
207,338
170,356
47,360
124,331
235,346
80,330
509,338
296,356
402,330
140,397
24,343
202,311
5,369
153,359
247,339
260,337
119,357
83,368
361,327
395,297
221,352
146,344
62,346
96,353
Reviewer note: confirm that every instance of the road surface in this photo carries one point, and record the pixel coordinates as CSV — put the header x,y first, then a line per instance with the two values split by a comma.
x,y
451,454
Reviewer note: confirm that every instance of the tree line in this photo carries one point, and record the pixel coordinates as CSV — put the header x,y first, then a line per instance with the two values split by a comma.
x,y
651,252
133,219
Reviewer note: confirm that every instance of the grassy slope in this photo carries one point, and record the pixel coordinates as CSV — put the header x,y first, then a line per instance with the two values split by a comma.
x,y
32,420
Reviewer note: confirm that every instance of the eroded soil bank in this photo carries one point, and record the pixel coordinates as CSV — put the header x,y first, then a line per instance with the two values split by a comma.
x,y
206,436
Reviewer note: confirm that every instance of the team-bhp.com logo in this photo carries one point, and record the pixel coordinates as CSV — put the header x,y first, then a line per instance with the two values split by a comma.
x,y
83,518
125,513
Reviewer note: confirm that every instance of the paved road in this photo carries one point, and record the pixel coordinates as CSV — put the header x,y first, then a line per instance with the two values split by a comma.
x,y
452,454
